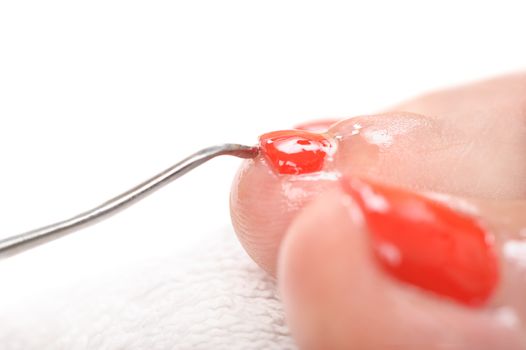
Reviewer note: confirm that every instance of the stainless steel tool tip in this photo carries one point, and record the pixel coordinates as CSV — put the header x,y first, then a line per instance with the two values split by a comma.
x,y
24,241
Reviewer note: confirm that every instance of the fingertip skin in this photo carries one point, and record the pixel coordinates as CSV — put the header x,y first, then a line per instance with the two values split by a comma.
x,y
336,296
422,242
263,204
321,125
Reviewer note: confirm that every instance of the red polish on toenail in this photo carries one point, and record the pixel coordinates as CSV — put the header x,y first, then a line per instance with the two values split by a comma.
x,y
317,125
295,151
427,244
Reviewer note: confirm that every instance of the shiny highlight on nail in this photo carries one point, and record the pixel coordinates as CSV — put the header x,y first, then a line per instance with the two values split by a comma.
x,y
295,152
427,244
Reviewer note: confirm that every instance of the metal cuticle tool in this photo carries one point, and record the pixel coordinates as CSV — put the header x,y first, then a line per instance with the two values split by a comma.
x,y
21,242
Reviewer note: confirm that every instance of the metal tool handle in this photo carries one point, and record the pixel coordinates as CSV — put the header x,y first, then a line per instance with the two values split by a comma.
x,y
24,241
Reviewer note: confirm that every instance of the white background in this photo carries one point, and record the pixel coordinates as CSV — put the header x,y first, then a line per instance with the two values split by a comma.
x,y
96,96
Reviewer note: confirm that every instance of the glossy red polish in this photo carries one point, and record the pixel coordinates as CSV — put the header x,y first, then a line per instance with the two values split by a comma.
x,y
295,151
429,245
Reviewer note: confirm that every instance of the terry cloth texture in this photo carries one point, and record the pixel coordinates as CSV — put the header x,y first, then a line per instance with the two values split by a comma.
x,y
212,298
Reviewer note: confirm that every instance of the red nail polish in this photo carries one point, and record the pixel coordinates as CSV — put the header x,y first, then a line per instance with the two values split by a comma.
x,y
427,244
295,151
317,125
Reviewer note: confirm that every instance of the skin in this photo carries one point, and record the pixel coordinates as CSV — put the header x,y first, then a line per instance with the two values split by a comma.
x,y
468,145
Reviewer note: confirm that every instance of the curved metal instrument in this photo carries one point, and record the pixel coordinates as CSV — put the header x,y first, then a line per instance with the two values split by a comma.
x,y
21,242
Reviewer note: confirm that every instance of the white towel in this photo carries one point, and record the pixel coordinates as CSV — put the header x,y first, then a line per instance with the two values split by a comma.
x,y
212,297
